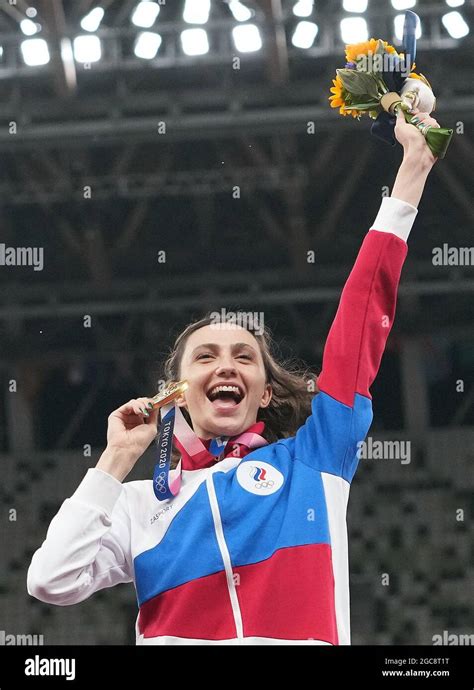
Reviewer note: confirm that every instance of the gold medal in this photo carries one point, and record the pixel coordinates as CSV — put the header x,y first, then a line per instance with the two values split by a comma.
x,y
172,391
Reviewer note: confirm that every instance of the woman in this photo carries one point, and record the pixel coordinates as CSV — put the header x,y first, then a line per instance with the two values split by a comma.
x,y
253,547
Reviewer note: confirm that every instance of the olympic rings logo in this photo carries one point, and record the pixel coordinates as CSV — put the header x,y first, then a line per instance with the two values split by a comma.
x,y
159,483
260,479
264,485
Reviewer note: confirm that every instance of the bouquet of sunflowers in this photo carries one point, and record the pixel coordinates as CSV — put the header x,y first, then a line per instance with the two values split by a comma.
x,y
377,80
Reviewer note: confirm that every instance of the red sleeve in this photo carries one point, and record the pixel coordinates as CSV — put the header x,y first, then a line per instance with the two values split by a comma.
x,y
363,320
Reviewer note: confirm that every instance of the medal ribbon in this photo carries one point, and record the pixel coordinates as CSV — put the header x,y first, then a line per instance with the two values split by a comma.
x,y
167,482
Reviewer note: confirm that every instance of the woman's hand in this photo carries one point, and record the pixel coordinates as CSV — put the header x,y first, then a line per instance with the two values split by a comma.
x,y
131,429
417,159
413,142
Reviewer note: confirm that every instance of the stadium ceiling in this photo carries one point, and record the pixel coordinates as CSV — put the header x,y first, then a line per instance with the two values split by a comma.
x,y
62,83
89,117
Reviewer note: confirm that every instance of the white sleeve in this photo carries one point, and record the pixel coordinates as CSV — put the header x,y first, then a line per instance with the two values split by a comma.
x,y
87,545
395,216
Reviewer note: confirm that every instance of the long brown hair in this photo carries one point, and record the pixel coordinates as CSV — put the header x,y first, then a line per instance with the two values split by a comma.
x,y
293,384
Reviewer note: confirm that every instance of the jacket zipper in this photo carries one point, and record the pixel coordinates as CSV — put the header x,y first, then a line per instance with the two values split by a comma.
x,y
225,556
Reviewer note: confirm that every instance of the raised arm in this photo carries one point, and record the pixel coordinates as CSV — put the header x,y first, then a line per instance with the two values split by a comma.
x,y
342,411
365,316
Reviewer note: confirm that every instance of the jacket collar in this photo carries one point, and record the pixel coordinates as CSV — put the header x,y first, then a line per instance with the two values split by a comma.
x,y
232,447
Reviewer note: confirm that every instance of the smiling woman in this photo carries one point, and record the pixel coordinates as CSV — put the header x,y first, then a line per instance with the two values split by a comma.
x,y
245,541
207,354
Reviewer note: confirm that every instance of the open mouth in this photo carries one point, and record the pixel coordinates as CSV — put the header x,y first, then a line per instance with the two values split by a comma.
x,y
225,396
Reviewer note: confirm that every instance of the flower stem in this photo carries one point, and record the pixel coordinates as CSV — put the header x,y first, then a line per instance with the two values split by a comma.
x,y
382,85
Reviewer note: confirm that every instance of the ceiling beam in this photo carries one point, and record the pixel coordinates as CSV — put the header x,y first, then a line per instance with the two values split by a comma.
x,y
254,297
337,205
60,46
275,46
131,227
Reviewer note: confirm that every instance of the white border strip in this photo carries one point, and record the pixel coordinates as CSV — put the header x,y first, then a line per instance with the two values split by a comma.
x,y
225,556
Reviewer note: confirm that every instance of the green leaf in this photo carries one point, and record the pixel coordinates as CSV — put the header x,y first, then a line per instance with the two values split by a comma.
x,y
359,83
364,106
438,139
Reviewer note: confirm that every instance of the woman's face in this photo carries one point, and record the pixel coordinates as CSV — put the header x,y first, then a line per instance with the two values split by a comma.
x,y
216,356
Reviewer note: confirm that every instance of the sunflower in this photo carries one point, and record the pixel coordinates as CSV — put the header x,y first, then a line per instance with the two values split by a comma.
x,y
355,50
337,100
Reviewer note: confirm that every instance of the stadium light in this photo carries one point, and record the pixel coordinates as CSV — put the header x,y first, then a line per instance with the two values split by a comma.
x,y
28,27
304,34
455,25
354,30
355,5
403,4
303,8
240,12
398,23
87,49
92,20
145,14
35,52
147,45
247,38
196,11
455,3
194,41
